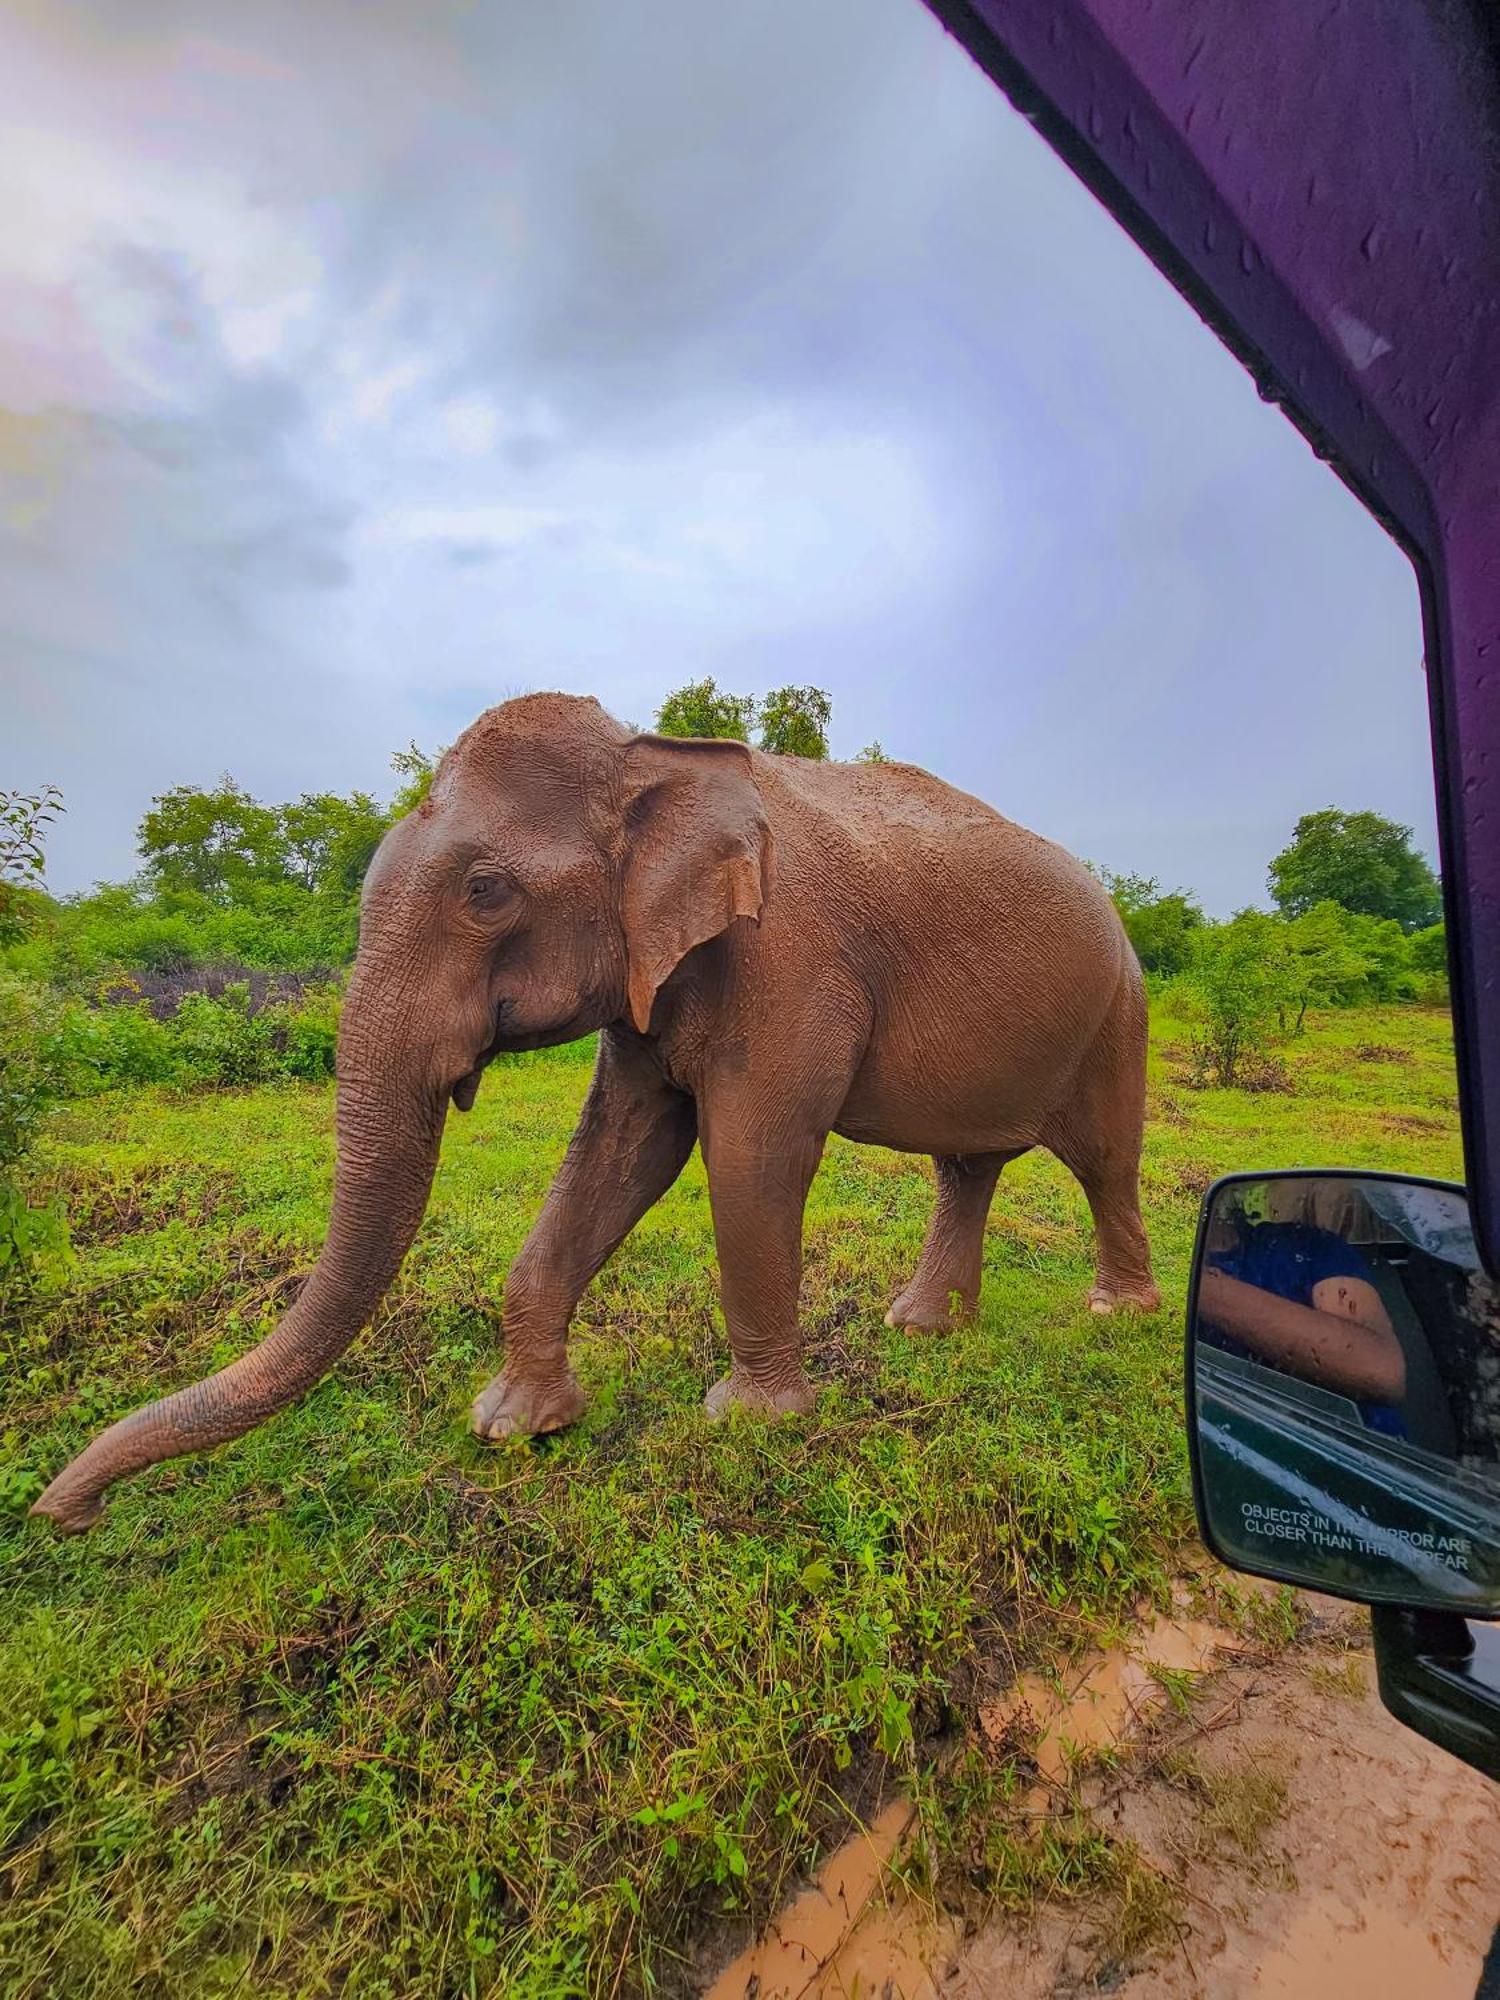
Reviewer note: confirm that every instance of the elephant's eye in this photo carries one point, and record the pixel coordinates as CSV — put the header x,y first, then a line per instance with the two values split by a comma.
x,y
487,892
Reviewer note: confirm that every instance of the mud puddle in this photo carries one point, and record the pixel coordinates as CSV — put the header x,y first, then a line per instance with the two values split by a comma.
x,y
853,1933
1306,1845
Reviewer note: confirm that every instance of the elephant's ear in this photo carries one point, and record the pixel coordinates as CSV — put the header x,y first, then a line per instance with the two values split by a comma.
x,y
697,854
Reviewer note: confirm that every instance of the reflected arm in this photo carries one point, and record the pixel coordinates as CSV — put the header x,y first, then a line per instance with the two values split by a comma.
x,y
1351,1347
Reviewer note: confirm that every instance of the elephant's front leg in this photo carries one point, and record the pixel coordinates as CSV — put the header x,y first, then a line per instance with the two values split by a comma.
x,y
632,1141
758,1183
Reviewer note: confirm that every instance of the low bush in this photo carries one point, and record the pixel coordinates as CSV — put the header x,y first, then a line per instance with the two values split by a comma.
x,y
33,1236
1238,974
306,1034
103,1048
246,1032
129,929
222,1041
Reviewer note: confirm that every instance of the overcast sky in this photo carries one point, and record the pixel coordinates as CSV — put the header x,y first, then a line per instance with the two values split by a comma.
x,y
363,364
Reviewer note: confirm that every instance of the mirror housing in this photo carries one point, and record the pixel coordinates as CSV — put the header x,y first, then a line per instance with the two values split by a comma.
x,y
1343,1389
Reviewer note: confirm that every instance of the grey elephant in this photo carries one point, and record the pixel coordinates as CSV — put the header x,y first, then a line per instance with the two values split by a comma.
x,y
772,950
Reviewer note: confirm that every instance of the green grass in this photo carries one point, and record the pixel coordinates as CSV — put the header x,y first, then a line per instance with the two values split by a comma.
x,y
359,1705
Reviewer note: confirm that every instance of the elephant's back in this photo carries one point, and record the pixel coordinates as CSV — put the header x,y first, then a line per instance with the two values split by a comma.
x,y
889,826
990,954
876,802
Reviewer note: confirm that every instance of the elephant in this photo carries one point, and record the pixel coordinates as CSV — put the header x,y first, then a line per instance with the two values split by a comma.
x,y
771,949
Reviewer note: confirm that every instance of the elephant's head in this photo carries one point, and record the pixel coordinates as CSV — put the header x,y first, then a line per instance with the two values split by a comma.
x,y
556,875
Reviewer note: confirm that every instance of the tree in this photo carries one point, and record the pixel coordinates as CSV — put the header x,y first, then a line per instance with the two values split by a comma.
x,y
416,770
794,722
330,840
1427,953
1160,927
24,818
871,754
1240,974
702,708
1429,949
1360,860
219,843
1324,962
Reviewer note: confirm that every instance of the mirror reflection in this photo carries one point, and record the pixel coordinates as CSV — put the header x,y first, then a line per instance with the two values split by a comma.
x,y
1346,1387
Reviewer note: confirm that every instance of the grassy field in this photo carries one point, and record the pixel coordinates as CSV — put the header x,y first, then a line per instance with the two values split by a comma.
x,y
358,1705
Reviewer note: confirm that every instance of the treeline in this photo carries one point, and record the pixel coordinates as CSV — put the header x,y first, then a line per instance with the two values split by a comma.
x,y
221,961
231,891
1357,921
224,880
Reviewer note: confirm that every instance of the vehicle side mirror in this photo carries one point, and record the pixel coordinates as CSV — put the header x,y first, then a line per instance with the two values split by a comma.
x,y
1343,1389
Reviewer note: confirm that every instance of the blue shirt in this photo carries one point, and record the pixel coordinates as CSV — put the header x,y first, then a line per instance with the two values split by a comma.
x,y
1289,1259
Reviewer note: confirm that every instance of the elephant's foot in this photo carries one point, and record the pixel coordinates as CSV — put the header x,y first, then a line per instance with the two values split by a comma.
x,y
931,1309
1110,1298
516,1405
793,1396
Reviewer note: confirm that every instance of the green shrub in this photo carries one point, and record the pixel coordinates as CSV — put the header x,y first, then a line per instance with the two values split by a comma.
x,y
1241,976
1160,927
308,1035
104,1047
124,928
221,1041
158,942
33,1239
1428,951
216,1040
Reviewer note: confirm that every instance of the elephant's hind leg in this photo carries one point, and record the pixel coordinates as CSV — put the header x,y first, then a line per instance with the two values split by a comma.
x,y
945,1288
1097,1136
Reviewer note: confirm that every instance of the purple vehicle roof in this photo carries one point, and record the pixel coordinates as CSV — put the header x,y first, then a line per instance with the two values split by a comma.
x,y
1321,178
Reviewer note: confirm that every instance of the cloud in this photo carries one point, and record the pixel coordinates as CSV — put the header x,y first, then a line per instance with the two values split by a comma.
x,y
361,362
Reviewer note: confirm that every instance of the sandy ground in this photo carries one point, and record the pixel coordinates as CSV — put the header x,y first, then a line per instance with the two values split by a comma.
x,y
1291,1840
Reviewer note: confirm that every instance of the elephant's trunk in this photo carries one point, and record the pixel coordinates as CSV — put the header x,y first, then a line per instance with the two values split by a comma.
x,y
388,1134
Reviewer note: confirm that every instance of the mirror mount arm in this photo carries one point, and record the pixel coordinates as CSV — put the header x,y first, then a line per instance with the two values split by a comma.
x,y
1441,1677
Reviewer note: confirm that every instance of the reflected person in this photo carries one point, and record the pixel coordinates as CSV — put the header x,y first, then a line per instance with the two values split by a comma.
x,y
1301,1299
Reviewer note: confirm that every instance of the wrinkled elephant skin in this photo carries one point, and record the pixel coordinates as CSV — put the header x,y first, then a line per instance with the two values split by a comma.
x,y
773,950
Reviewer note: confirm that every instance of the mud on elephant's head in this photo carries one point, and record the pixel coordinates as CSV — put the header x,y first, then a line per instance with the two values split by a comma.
x,y
555,876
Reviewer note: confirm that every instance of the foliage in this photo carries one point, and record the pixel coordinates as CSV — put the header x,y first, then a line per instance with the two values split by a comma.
x,y
1429,949
1360,860
1258,974
34,1244
330,841
794,722
702,708
126,928
228,1039
114,1046
33,1235
24,819
871,754
1241,976
1160,927
1428,956
214,844
306,1036
357,1705
1324,961
226,878
416,770
221,1041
